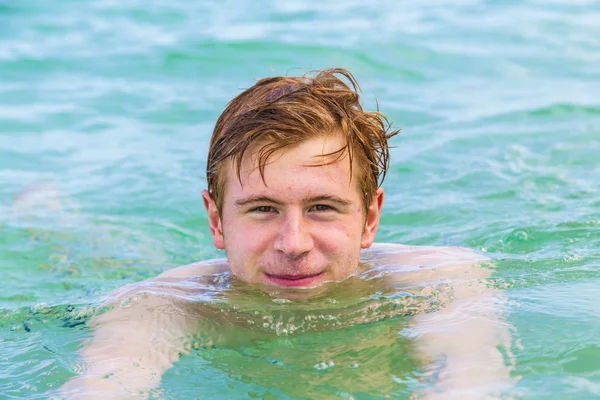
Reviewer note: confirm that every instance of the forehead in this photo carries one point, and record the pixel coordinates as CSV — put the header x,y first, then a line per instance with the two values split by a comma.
x,y
307,167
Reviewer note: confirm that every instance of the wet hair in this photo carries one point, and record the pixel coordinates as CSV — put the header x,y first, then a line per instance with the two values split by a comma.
x,y
281,112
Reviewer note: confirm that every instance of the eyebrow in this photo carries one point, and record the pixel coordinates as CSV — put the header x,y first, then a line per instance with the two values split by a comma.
x,y
256,199
334,199
265,199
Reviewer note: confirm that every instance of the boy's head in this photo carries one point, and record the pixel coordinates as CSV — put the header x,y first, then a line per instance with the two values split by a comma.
x,y
294,169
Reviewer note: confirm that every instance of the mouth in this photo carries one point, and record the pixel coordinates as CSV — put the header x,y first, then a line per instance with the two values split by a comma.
x,y
292,280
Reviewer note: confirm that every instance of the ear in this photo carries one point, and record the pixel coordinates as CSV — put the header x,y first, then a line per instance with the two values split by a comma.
x,y
372,220
214,220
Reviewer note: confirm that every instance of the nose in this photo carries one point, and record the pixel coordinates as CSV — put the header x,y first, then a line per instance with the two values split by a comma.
x,y
294,238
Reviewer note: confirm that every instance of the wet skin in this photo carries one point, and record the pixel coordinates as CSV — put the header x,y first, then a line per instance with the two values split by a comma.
x,y
302,226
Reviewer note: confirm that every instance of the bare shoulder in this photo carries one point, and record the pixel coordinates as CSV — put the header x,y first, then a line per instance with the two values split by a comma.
x,y
412,255
427,264
167,282
199,268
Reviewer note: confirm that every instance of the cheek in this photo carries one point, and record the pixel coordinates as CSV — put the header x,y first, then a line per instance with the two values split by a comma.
x,y
355,225
342,238
244,237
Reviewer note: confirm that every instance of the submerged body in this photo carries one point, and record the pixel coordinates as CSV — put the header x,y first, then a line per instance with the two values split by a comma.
x,y
438,296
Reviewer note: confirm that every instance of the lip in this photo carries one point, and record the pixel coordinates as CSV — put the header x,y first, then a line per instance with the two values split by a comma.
x,y
289,280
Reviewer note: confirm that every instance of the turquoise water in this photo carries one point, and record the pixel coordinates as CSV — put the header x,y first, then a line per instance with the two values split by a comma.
x,y
106,110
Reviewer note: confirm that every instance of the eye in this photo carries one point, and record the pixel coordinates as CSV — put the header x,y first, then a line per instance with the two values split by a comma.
x,y
262,209
322,207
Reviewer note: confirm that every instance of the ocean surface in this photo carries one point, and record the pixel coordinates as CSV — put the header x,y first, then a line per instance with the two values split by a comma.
x,y
106,111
